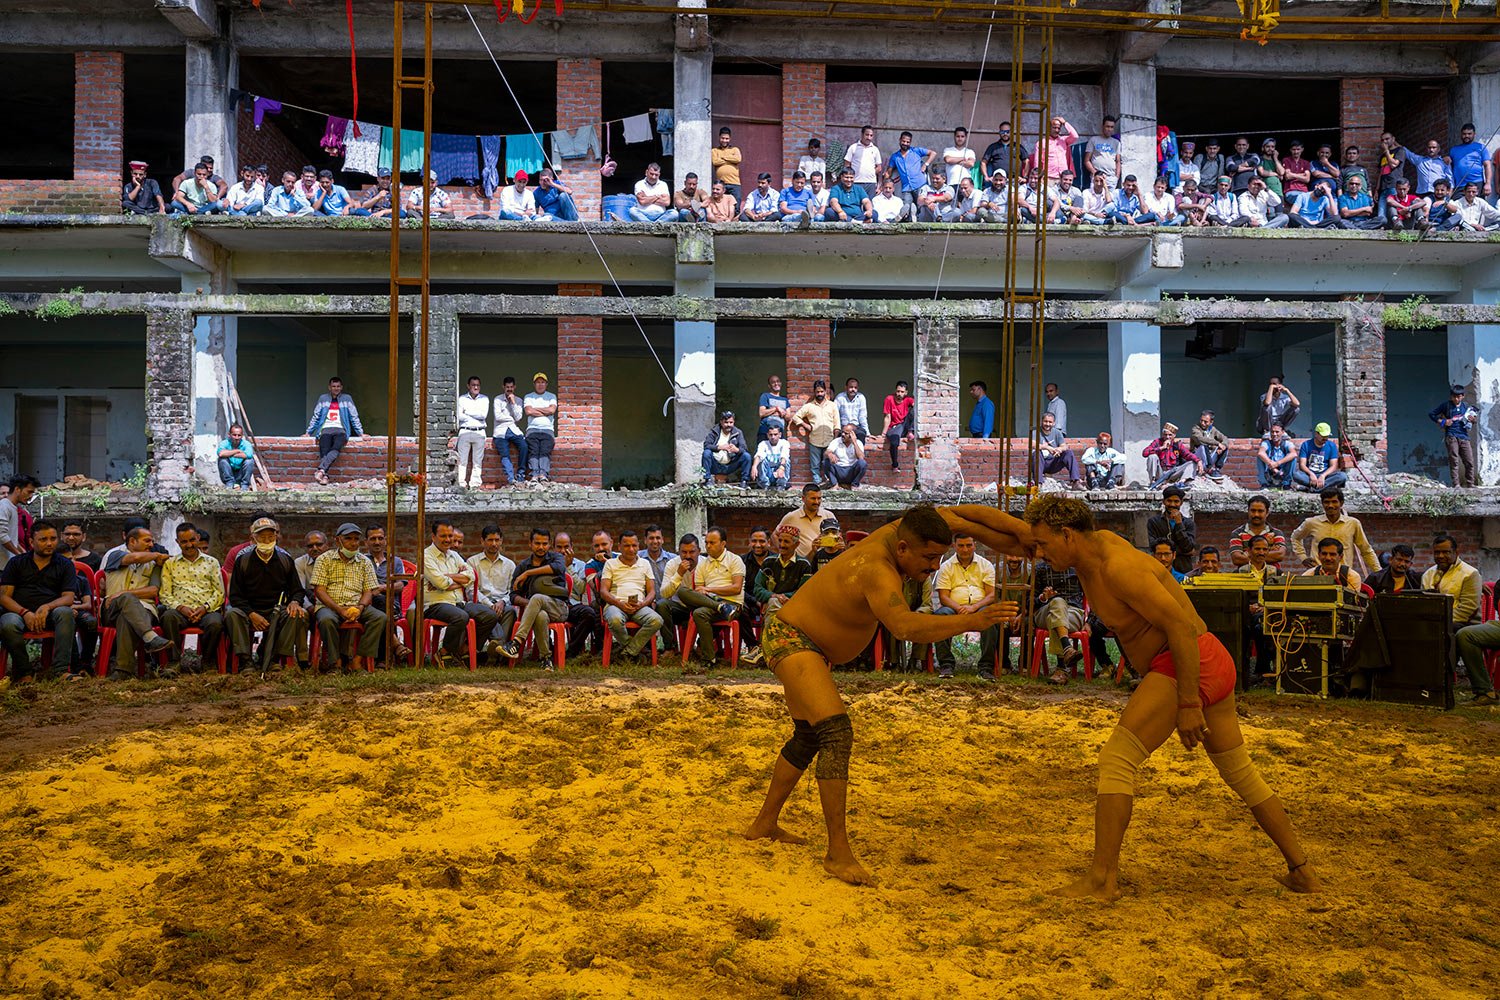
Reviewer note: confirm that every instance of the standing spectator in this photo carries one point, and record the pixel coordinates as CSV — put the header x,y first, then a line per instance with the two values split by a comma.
x,y
1431,168
807,519
1352,168
653,198
1276,460
1269,170
1054,455
817,422
1257,510
1054,153
900,421
1318,462
963,585
863,158
248,195
495,573
1102,154
1174,528
132,580
1279,405
518,203
288,199
772,466
541,429
1324,169
725,159
997,155
265,595
1060,612
1455,417
847,200
1241,166
1170,460
774,409
761,204
959,158
198,195
627,589
1296,173
1475,215
1212,164
343,580
1333,523
725,452
237,460
333,199
853,408
1056,405
1471,162
192,596
844,462
909,166
1187,166
1393,157
1103,467
812,161
1210,445
510,410
982,417
141,195
37,593
473,425
720,207
334,421
446,582
554,199
1404,210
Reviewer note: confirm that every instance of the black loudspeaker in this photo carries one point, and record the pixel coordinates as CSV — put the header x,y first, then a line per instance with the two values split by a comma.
x,y
1406,644
1302,669
1225,613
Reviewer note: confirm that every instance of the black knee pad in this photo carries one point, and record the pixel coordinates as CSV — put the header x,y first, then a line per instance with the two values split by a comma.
x,y
802,747
835,739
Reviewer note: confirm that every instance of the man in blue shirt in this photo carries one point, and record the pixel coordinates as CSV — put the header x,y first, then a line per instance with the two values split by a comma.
x,y
1356,208
1454,417
1318,462
1315,210
330,198
1430,169
794,200
237,460
982,420
909,166
554,198
1470,162
775,409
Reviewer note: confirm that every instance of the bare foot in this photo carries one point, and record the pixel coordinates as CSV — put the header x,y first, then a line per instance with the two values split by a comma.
x,y
849,870
772,831
1304,879
1090,886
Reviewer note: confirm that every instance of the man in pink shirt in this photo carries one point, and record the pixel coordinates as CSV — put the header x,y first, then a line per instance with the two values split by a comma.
x,y
1052,154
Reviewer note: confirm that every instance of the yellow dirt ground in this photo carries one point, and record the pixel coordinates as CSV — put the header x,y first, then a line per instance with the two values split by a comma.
x,y
549,840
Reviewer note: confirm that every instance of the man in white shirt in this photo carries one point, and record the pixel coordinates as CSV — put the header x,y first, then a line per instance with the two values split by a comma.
x,y
1223,206
653,198
844,462
887,206
962,586
1475,215
627,590
1160,203
1101,157
441,200
817,202
494,572
1103,467
510,410
447,582
1257,207
247,196
966,205
853,409
773,461
812,161
473,421
541,429
864,157
713,590
517,202
1093,208
959,158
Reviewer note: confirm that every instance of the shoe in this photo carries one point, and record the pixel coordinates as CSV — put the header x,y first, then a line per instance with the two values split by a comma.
x,y
1487,698
752,656
157,643
511,649
446,660
727,610
320,477
1070,659
1058,676
945,672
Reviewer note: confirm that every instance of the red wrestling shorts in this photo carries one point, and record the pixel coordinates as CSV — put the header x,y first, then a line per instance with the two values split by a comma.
x,y
1216,674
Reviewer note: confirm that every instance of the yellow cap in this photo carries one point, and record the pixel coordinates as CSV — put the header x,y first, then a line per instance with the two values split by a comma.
x,y
540,375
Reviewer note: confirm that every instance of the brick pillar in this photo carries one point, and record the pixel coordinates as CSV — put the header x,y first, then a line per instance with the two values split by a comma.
x,y
580,395
804,94
169,402
580,101
442,390
937,394
1359,365
99,127
1362,118
807,349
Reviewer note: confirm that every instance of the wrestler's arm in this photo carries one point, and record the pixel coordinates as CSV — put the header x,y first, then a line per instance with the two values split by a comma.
x,y
1151,598
990,526
888,604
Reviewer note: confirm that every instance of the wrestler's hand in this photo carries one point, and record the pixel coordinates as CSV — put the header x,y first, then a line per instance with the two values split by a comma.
x,y
1191,726
996,614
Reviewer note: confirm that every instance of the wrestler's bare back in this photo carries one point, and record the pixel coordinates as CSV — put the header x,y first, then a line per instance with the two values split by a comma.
x,y
833,608
1109,585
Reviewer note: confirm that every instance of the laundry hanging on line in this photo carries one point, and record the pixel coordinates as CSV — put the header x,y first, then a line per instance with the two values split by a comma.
x,y
455,158
577,144
666,123
362,152
523,151
638,128
489,175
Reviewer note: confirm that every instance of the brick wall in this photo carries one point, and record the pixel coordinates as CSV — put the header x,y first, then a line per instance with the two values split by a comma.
x,y
807,350
580,375
1416,113
292,460
269,146
1359,350
1362,116
804,96
98,146
580,101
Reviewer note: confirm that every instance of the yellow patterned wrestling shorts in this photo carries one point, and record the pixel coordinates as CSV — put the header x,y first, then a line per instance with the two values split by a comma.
x,y
778,640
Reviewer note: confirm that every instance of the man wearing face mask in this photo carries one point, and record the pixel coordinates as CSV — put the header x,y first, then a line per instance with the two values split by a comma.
x,y
343,578
265,595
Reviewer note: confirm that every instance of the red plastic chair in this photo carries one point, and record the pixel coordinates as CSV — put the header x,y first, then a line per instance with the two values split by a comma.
x,y
46,639
726,640
609,642
1368,591
1487,603
107,637
434,628
1039,652
317,644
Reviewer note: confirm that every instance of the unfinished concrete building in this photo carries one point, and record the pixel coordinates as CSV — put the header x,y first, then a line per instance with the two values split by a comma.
x,y
131,341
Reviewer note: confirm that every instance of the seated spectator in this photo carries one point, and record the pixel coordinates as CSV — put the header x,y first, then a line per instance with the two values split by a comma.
x,y
713,591
627,591
1060,612
761,203
994,200
653,198
1169,460
1331,563
813,158
1397,576
1259,208
966,204
935,199
192,596
1208,562
495,573
237,460
1296,174
380,202
198,195
725,159
1276,460
1334,523
1318,462
688,203
1442,210
1324,169
1162,204
554,199
187,175
794,199
1451,576
1211,163
887,206
1038,201
1068,196
540,589
265,595
333,199
1103,467
818,203
38,591
963,585
344,582
772,465
141,195
1351,168
847,201
287,200
982,418
1475,215
1223,205
1095,207
900,410
334,421
1257,510
386,564
1127,207
1267,575
1163,553
75,544
132,579
1054,455
720,206
1175,528
1355,206
1210,446
248,195
725,452
831,543
853,408
1192,204
307,183
518,203
1317,210
1404,210
781,575
446,582
844,461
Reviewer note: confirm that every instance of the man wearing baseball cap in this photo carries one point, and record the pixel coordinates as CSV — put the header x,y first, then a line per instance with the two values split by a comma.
x,y
141,195
1318,464
541,429
265,595
344,582
1455,417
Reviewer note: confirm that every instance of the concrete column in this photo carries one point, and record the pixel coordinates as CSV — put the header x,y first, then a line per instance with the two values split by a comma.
x,y
580,101
1134,392
1359,366
213,69
1474,361
169,402
695,385
442,390
215,346
937,393
1132,89
692,96
580,394
1473,97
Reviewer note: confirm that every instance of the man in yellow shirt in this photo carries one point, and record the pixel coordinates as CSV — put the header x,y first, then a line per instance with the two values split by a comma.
x,y
627,589
964,585
725,159
191,596
343,578
1452,576
715,592
817,422
807,519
